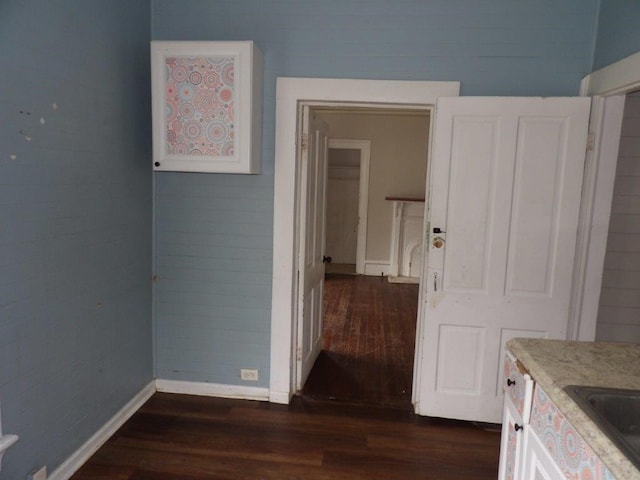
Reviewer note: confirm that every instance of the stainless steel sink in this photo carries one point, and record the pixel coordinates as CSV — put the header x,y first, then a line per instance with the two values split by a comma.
x,y
616,412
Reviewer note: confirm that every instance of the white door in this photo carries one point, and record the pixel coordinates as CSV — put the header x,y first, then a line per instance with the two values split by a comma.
x,y
311,271
505,190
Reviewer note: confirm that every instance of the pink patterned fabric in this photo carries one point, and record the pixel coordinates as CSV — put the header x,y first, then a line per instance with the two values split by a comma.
x,y
571,453
516,391
199,108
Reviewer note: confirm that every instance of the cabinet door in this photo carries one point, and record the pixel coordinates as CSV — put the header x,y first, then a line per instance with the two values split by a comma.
x,y
538,463
518,387
510,443
206,106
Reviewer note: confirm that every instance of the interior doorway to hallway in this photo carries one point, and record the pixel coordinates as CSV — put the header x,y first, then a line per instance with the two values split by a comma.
x,y
369,330
368,323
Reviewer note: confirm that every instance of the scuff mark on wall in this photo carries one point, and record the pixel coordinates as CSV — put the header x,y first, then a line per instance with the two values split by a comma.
x,y
26,136
26,132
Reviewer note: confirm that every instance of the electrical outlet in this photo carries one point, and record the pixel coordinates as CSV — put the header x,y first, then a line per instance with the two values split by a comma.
x,y
39,475
247,374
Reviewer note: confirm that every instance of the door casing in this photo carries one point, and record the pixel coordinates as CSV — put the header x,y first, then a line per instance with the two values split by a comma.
x,y
290,93
608,86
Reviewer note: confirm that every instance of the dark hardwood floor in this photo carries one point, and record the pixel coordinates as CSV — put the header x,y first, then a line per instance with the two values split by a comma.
x,y
368,342
201,438
369,433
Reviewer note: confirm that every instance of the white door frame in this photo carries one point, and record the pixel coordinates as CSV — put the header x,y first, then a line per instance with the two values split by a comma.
x,y
289,93
364,147
608,87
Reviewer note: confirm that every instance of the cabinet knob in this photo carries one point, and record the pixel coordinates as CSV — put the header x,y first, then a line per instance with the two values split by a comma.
x,y
157,164
517,427
510,382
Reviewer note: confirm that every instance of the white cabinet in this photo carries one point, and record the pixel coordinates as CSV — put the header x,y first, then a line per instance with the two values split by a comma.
x,y
538,464
538,442
206,106
518,393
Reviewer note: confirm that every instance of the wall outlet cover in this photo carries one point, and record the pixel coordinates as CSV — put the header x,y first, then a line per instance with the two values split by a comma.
x,y
248,374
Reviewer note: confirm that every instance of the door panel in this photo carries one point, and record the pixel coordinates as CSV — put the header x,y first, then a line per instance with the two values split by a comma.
x,y
459,359
505,191
475,138
312,244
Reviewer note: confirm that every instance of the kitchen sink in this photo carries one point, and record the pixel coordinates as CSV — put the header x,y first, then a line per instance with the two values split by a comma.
x,y
616,412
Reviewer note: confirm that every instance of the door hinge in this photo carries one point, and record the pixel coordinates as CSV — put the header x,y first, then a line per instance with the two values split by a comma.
x,y
298,354
304,141
591,141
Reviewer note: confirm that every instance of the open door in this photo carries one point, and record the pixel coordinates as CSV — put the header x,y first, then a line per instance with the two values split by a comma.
x,y
506,177
314,148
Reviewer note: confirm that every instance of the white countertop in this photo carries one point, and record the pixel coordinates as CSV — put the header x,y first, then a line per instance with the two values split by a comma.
x,y
555,364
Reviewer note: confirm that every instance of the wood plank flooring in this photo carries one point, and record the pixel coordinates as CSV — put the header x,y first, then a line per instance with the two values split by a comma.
x,y
368,342
188,438
368,363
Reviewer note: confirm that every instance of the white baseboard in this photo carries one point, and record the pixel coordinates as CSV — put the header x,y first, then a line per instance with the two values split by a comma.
x,y
377,268
282,398
77,459
212,389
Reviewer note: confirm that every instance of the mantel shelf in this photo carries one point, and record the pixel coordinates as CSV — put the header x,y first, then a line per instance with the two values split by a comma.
x,y
404,199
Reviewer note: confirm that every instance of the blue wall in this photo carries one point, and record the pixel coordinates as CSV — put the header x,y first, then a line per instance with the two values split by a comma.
x,y
618,31
75,221
213,232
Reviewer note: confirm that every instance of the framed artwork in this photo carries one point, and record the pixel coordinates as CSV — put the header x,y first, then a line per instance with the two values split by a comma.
x,y
206,106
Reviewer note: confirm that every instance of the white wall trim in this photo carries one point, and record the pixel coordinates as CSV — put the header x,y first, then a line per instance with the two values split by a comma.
x,y
80,456
289,92
608,87
595,212
377,268
239,392
622,76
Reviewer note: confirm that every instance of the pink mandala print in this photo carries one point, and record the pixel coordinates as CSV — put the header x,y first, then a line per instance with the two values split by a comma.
x,y
200,102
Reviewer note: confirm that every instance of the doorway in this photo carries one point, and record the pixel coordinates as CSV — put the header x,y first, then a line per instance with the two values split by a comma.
x,y
290,93
369,324
619,306
347,204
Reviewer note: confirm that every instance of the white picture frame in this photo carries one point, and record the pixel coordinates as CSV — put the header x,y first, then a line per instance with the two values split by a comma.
x,y
206,106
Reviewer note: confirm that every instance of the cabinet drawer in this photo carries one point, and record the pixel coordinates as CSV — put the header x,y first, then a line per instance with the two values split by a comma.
x,y
518,387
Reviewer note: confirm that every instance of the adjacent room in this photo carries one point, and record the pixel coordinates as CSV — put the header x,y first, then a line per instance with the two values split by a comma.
x,y
163,311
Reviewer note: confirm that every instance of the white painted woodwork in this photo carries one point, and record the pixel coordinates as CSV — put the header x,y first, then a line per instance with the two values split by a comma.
x,y
516,411
364,149
343,185
620,77
511,444
406,238
291,91
505,187
314,152
243,115
597,192
206,389
538,462
608,86
619,307
78,458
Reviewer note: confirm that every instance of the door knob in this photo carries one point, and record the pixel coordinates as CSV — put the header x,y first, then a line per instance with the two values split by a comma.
x,y
326,259
437,242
